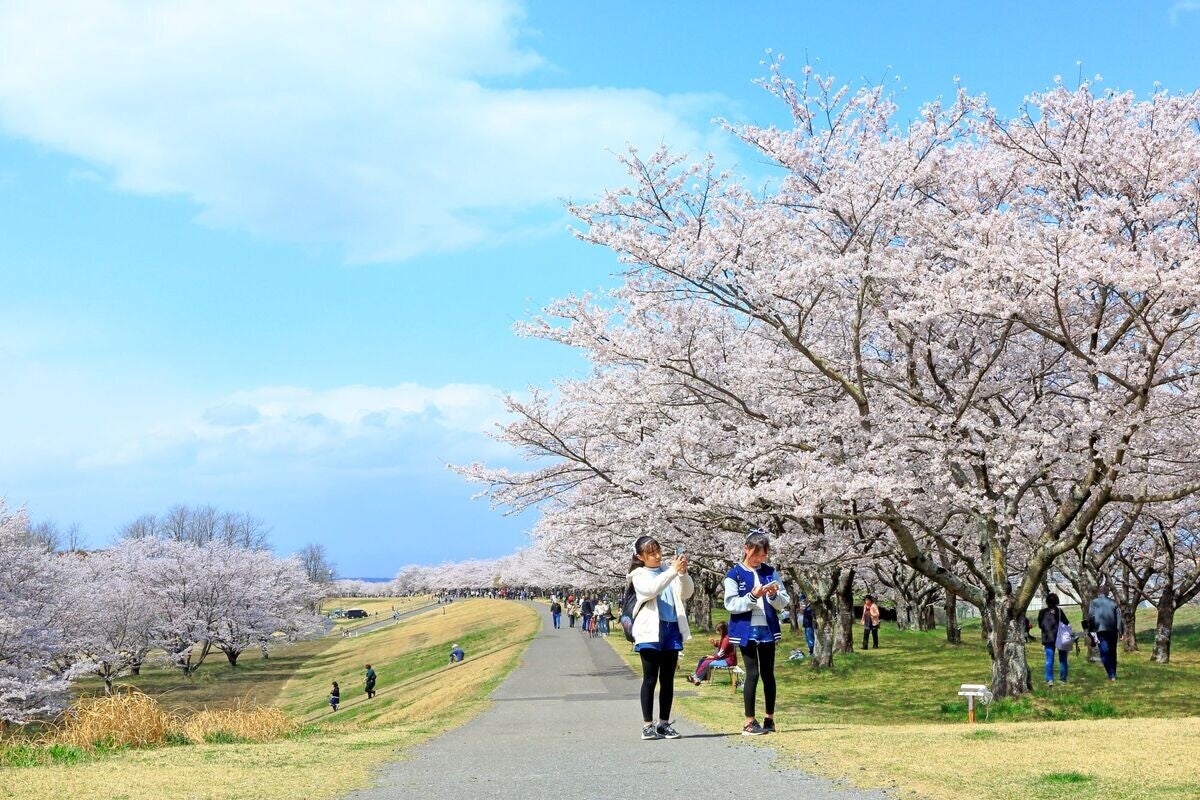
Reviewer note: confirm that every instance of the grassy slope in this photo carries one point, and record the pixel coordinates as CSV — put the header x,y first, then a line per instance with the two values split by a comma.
x,y
890,718
372,605
419,697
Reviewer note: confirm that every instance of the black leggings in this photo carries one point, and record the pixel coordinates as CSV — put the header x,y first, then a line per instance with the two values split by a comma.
x,y
658,666
760,662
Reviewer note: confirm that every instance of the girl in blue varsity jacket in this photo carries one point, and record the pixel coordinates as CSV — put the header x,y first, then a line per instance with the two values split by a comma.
x,y
754,596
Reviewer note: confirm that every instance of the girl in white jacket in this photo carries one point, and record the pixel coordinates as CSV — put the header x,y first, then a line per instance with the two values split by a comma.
x,y
660,628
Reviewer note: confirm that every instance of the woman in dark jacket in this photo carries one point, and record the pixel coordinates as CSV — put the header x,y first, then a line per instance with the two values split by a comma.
x,y
1049,618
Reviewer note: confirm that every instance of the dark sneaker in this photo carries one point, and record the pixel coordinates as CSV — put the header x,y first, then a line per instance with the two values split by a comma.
x,y
768,725
650,732
666,731
752,728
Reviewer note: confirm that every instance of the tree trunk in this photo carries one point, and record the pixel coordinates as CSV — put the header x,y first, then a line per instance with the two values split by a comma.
x,y
926,621
1163,626
844,638
701,605
906,615
820,587
953,632
232,655
108,684
1129,616
1088,589
1006,644
136,667
823,644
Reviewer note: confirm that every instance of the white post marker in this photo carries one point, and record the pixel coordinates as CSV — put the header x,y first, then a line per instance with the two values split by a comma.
x,y
973,692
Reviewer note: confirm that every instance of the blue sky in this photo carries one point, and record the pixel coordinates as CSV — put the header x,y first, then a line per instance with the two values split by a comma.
x,y
271,260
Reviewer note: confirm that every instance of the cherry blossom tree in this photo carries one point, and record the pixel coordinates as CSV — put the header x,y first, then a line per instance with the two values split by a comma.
x,y
977,333
30,642
110,620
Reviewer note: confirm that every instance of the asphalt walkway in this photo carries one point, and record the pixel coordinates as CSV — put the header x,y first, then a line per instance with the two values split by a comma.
x,y
566,724
384,621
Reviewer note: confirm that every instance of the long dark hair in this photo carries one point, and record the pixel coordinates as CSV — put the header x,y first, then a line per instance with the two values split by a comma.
x,y
640,546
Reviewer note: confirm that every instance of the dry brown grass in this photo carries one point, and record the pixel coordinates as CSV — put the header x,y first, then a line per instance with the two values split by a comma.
x,y
126,719
248,724
132,719
1113,759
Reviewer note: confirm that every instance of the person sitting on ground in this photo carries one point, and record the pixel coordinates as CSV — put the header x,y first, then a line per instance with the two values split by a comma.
x,y
456,654
725,656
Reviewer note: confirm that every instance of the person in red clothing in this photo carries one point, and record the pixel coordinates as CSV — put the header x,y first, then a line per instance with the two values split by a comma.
x,y
725,656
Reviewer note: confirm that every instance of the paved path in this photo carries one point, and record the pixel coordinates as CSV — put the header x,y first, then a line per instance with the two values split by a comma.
x,y
383,622
569,698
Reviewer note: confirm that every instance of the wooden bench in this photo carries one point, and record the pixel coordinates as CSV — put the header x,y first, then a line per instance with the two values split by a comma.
x,y
737,676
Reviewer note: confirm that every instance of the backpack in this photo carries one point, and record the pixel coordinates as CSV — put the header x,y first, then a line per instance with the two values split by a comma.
x,y
1065,637
629,609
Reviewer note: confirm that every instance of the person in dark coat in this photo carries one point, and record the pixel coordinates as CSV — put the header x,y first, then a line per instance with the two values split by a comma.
x,y
809,624
1049,618
1104,620
370,682
335,696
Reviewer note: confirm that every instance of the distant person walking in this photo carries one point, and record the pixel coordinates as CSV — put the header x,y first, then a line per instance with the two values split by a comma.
x,y
602,612
1049,620
754,596
586,609
335,696
456,654
1104,620
660,628
556,614
870,621
809,623
370,676
572,611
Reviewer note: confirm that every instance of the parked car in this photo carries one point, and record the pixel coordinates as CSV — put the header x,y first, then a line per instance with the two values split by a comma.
x,y
355,613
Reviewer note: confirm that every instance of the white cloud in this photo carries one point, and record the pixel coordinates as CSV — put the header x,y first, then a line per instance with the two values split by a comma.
x,y
351,426
1182,7
371,125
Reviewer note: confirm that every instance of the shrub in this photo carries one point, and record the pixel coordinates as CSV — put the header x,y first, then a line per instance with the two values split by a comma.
x,y
241,724
123,719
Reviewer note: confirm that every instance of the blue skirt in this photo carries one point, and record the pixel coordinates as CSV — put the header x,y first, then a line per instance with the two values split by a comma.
x,y
761,634
669,638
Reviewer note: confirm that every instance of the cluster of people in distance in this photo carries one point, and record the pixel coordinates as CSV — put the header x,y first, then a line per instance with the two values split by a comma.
x,y
596,614
754,596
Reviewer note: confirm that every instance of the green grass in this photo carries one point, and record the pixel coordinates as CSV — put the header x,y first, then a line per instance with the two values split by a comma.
x,y
914,677
865,719
1065,778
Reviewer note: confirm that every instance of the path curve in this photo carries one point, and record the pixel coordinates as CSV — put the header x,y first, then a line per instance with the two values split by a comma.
x,y
570,699
367,627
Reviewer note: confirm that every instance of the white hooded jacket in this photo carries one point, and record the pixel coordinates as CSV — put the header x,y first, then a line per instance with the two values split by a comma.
x,y
649,585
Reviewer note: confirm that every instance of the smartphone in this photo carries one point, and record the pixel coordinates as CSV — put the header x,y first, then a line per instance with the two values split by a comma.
x,y
679,551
